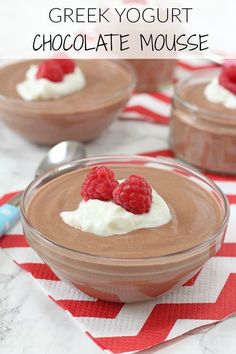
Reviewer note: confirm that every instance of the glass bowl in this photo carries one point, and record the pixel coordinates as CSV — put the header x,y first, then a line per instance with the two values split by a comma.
x,y
153,74
203,137
125,279
82,115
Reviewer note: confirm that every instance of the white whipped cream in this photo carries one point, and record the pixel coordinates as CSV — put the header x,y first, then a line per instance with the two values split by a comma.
x,y
42,89
107,218
216,93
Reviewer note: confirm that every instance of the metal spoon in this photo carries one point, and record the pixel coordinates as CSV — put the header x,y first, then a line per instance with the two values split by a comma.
x,y
59,154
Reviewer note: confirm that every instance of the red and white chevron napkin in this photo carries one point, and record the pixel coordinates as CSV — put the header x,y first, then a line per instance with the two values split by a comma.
x,y
155,106
207,298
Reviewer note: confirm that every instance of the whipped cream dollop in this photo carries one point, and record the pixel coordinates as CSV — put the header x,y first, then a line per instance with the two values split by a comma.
x,y
107,218
42,89
216,93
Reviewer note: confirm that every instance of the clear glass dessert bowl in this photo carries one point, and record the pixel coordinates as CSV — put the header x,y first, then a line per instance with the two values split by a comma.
x,y
82,115
153,74
203,133
125,278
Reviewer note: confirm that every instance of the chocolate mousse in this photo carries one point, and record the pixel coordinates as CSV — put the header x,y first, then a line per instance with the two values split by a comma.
x,y
191,208
133,266
81,115
203,130
153,74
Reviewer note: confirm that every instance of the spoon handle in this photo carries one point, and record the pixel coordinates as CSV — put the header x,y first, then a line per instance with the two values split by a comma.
x,y
9,214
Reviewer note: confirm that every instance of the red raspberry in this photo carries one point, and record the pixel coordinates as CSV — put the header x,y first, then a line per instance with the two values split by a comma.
x,y
50,70
228,78
67,65
134,195
99,184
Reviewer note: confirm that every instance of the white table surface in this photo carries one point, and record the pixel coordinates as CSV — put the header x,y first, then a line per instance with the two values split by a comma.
x,y
30,323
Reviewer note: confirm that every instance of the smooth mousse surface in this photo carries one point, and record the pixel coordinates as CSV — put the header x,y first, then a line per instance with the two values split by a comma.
x,y
195,216
194,94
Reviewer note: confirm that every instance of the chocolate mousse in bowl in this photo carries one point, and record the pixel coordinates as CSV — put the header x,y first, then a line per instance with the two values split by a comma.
x,y
124,229
203,124
60,99
153,74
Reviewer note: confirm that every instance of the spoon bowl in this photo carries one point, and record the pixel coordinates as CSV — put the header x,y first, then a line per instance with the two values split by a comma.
x,y
66,151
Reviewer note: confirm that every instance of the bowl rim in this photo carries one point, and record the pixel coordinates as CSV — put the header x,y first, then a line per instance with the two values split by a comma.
x,y
167,162
43,104
213,116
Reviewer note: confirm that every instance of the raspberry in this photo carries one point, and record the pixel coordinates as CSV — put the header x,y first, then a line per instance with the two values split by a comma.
x,y
50,70
67,65
228,78
134,195
99,184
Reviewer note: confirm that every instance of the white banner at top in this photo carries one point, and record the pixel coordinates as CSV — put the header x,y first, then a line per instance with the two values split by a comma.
x,y
117,29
